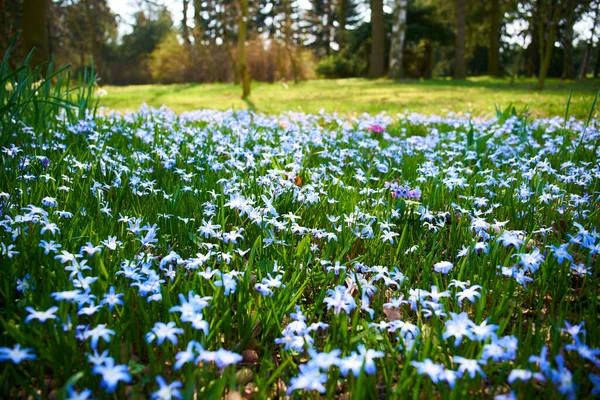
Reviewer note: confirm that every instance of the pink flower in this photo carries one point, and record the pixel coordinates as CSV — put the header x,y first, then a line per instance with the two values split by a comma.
x,y
375,128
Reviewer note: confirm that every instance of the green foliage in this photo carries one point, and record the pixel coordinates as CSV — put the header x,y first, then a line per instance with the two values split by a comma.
x,y
340,66
162,67
246,320
129,60
37,97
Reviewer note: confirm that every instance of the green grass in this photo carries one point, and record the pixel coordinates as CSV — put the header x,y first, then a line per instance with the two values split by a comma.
x,y
477,96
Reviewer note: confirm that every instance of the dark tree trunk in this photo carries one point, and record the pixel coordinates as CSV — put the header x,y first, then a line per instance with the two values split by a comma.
x,y
494,50
197,22
567,43
532,52
242,65
549,14
35,34
429,60
377,58
597,66
95,45
288,39
234,64
588,50
460,69
341,17
185,31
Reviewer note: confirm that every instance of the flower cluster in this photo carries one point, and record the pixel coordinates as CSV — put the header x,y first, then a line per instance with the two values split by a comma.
x,y
403,191
206,253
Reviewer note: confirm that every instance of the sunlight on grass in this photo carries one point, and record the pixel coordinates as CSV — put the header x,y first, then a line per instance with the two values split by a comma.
x,y
477,96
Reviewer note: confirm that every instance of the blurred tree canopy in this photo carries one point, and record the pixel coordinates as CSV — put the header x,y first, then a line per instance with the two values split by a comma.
x,y
289,40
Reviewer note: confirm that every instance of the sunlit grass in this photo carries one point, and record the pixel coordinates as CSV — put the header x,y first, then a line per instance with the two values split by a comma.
x,y
477,96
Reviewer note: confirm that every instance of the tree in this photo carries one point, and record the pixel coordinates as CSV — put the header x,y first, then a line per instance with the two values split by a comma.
x,y
340,36
377,58
426,32
548,13
128,61
574,10
588,50
94,43
185,32
288,36
35,34
198,22
597,65
216,24
242,65
161,65
460,71
396,70
281,21
566,40
319,21
494,47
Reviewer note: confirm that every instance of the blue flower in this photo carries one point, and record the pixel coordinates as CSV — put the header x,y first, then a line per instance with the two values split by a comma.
x,y
222,358
162,331
167,392
23,285
458,326
41,316
74,395
429,368
112,374
470,366
310,378
561,253
98,332
443,267
16,354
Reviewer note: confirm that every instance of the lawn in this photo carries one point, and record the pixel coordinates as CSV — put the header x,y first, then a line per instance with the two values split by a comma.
x,y
477,96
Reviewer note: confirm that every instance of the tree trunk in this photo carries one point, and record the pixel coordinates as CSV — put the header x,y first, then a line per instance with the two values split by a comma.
x,y
551,12
288,38
567,42
341,17
597,66
242,65
588,50
234,64
35,34
377,58
494,50
396,70
460,70
294,64
532,52
185,31
279,62
429,60
197,22
95,48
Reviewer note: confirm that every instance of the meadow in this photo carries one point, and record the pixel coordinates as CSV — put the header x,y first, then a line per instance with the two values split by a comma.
x,y
211,254
477,96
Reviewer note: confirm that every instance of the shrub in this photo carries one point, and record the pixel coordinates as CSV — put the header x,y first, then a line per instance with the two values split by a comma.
x,y
170,62
342,66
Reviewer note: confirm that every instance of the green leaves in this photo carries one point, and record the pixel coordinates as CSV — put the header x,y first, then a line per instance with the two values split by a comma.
x,y
400,206
478,145
36,98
